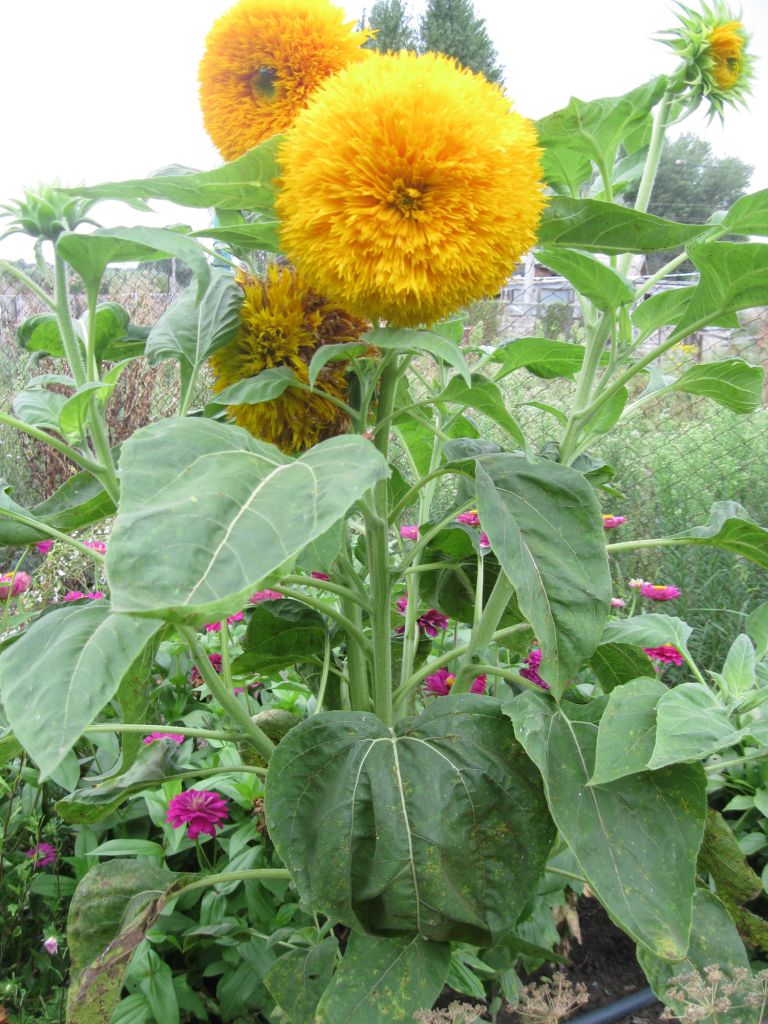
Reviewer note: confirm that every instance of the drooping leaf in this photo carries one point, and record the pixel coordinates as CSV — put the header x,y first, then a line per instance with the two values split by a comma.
x,y
221,512
616,664
90,255
133,696
73,661
12,529
652,630
485,396
437,827
668,307
541,356
596,226
730,528
748,215
627,730
110,912
635,839
732,383
80,501
563,589
279,634
39,407
384,979
733,276
714,941
191,331
297,980
41,333
403,340
263,235
417,439
604,287
264,387
757,628
330,353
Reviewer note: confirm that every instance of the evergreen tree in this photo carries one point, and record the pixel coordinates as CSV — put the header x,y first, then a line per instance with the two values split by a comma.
x,y
452,27
392,22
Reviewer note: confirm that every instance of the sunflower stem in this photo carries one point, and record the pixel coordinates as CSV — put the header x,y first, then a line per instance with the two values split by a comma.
x,y
357,663
483,631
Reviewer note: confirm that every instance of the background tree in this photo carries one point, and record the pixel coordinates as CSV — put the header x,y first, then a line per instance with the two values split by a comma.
x,y
394,29
452,27
692,184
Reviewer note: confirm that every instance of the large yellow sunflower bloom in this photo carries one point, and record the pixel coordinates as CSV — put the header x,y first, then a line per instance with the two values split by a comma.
x,y
409,188
263,60
283,323
726,45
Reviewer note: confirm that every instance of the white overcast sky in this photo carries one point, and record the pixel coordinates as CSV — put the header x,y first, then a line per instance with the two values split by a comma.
x,y
95,91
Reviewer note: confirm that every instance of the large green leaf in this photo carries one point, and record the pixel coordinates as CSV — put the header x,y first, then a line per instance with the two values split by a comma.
x,y
297,980
543,357
73,661
616,664
652,630
730,528
111,910
734,275
263,235
243,184
604,287
41,333
403,340
757,628
191,331
485,396
264,387
279,634
627,730
748,215
197,531
417,439
545,527
90,255
668,307
732,383
596,226
384,979
714,941
438,826
39,407
636,839
12,529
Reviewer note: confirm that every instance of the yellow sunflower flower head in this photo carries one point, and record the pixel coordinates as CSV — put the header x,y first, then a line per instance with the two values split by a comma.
x,y
283,323
263,60
409,187
716,65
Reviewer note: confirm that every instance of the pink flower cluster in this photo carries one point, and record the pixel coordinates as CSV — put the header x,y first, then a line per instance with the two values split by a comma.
x,y
215,627
195,678
471,518
44,546
531,672
265,595
96,545
42,855
431,622
611,522
666,653
77,595
13,583
440,683
200,810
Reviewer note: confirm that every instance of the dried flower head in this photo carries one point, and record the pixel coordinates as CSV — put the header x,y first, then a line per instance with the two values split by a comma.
x,y
454,1013
550,1000
707,995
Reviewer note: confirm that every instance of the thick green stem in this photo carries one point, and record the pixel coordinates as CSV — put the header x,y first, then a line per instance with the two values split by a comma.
x,y
594,350
96,424
323,676
8,268
253,734
72,346
482,634
333,588
357,662
648,542
326,609
252,875
203,734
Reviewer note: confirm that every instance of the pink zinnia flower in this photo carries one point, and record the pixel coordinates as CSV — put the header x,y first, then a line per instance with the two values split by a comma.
x,y
470,518
43,854
401,604
73,595
431,622
264,595
96,545
195,678
531,673
13,583
44,546
215,627
616,602
175,736
95,595
484,542
611,522
440,683
320,576
666,653
199,809
659,592
409,532
51,945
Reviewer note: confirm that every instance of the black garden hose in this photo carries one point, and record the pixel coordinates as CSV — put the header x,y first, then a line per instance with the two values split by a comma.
x,y
607,1014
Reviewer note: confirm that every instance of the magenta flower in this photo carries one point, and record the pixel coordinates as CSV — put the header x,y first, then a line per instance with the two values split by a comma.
x,y
175,736
320,576
484,542
195,678
470,518
44,546
264,595
616,602
409,532
659,592
96,545
666,653
215,627
251,686
95,595
73,595
531,673
13,583
611,522
51,945
401,604
42,855
431,622
199,809
440,683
